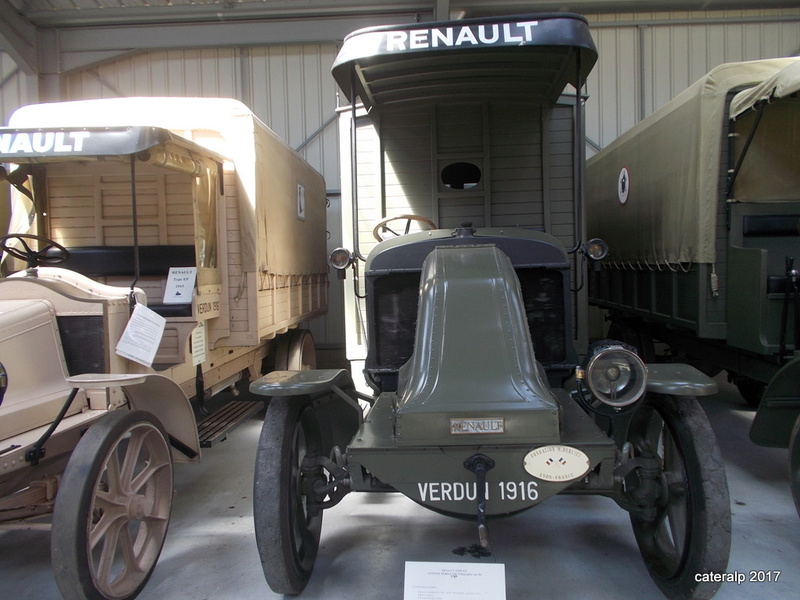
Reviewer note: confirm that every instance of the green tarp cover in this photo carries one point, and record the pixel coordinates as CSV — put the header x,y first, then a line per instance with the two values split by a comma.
x,y
653,193
770,171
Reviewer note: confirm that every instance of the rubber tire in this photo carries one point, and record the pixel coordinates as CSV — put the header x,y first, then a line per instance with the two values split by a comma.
x,y
295,351
287,532
701,491
76,509
794,463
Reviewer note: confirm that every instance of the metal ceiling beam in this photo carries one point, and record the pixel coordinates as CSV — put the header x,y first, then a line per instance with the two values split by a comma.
x,y
18,37
109,13
480,8
82,46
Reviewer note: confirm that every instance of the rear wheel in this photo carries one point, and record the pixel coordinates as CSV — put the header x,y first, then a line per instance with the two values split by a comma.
x,y
112,509
688,532
287,519
295,351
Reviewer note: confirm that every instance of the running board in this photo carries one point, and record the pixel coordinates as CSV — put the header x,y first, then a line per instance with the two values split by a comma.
x,y
216,426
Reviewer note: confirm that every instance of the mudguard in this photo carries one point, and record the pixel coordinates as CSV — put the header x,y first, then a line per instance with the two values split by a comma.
x,y
160,396
332,392
779,408
676,379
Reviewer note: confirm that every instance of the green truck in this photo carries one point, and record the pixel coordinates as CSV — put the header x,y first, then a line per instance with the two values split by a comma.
x,y
465,157
700,205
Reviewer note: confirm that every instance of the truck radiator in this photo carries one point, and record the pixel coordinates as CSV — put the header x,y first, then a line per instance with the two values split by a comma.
x,y
82,341
397,296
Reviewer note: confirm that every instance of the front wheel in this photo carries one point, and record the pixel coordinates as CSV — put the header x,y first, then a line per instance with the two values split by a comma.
x,y
112,509
287,519
688,534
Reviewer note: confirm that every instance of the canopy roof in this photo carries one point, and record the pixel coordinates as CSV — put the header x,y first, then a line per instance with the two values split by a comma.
x,y
528,57
29,144
782,84
669,167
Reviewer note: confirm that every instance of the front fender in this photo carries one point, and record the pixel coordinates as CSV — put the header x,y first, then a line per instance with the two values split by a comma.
x,y
677,379
332,392
779,408
160,396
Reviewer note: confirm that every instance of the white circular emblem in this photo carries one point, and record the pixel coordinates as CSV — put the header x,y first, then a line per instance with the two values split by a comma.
x,y
557,463
623,185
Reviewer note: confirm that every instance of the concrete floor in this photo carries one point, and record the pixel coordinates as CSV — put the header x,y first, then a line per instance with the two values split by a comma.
x,y
568,547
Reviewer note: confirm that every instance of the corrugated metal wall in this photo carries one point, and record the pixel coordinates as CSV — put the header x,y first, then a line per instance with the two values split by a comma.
x,y
645,59
288,87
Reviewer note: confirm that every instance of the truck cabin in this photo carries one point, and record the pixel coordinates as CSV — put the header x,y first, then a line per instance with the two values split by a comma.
x,y
477,127
763,193
128,204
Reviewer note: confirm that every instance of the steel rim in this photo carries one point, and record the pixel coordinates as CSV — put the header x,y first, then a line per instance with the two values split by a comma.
x,y
668,535
305,526
130,511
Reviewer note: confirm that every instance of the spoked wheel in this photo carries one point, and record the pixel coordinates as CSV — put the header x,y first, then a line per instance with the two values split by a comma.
x,y
794,463
689,531
287,519
112,509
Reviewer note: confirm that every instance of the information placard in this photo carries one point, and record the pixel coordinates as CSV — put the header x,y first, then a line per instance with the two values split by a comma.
x,y
142,335
454,581
180,285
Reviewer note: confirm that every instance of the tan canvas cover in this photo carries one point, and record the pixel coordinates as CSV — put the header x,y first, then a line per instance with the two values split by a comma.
x,y
662,208
229,128
782,84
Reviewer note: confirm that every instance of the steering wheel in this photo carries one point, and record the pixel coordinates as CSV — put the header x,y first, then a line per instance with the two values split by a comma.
x,y
34,258
382,228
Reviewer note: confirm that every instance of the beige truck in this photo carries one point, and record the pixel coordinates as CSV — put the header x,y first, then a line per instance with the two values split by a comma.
x,y
160,250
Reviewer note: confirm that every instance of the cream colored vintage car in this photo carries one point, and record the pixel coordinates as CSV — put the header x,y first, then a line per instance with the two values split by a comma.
x,y
160,249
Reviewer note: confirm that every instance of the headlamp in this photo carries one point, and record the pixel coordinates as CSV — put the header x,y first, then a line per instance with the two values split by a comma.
x,y
596,249
614,374
340,259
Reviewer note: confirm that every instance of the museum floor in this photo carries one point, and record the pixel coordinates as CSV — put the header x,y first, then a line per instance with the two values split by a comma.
x,y
567,548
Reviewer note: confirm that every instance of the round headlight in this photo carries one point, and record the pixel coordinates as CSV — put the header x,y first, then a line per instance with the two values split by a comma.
x,y
596,249
615,375
341,258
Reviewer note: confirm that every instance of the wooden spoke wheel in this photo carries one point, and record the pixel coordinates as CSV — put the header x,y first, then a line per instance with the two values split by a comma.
x,y
112,509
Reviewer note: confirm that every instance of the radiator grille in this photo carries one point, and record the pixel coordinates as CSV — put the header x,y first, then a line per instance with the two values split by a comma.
x,y
394,315
82,340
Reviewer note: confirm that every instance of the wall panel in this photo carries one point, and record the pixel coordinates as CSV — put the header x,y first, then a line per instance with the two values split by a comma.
x,y
646,59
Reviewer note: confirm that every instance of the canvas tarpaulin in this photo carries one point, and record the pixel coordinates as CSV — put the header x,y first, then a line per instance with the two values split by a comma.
x,y
222,125
769,170
672,174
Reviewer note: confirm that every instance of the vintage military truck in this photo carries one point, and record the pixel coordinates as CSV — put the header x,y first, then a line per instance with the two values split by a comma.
x,y
700,205
480,405
170,248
